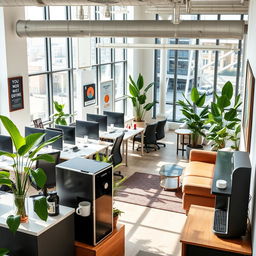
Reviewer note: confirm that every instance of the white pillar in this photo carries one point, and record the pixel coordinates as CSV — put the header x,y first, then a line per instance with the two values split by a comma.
x,y
163,79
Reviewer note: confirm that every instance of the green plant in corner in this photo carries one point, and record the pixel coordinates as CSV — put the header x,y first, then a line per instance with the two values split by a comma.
x,y
23,159
4,252
138,95
223,118
60,117
195,121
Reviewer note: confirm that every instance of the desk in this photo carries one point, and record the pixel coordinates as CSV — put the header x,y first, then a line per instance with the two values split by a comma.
x,y
54,237
127,135
198,239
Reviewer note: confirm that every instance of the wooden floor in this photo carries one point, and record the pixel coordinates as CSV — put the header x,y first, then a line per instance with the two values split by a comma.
x,y
148,229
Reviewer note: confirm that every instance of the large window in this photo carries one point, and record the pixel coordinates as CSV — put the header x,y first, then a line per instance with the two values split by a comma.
x,y
207,70
52,62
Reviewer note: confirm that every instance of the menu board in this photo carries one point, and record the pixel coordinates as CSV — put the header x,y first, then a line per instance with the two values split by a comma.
x,y
16,100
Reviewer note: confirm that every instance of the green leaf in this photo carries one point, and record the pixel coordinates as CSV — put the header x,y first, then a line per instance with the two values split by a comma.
x,y
45,157
40,208
3,153
194,95
204,112
4,251
222,131
4,174
227,90
223,102
215,109
142,99
140,82
58,107
32,141
149,106
148,87
200,102
132,81
5,181
39,177
231,125
230,115
17,139
133,90
13,222
186,114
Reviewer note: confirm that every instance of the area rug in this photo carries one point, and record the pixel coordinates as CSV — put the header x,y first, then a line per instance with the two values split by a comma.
x,y
144,189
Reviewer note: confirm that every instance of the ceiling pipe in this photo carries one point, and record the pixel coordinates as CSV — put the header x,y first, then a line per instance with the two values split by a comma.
x,y
132,28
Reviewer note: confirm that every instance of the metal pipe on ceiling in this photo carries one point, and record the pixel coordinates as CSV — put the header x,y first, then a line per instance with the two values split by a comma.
x,y
132,28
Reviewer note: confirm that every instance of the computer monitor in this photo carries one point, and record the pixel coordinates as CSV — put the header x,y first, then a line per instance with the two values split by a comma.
x,y
87,128
101,119
115,118
69,133
6,144
52,132
32,130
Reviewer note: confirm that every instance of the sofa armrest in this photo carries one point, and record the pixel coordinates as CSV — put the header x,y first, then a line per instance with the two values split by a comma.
x,y
203,156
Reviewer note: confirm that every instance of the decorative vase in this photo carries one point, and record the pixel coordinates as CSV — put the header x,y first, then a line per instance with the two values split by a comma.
x,y
139,124
115,218
20,207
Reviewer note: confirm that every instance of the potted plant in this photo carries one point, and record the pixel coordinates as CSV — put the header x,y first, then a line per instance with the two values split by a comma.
x,y
116,214
60,117
4,252
138,95
195,121
23,160
223,118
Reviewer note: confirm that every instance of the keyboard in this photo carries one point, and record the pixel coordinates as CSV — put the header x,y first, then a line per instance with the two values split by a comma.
x,y
220,221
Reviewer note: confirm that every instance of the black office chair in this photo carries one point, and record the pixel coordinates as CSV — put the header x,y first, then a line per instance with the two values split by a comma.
x,y
160,132
49,169
149,138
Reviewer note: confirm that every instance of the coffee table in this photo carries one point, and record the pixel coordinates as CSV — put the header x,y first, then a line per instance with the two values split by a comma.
x,y
170,176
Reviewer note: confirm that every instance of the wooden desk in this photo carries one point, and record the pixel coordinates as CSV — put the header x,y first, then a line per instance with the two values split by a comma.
x,y
198,239
113,245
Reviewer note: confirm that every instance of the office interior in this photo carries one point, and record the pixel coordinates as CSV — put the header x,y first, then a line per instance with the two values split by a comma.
x,y
77,52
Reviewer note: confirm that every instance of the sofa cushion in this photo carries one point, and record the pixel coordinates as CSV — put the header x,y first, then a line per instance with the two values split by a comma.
x,y
200,169
196,185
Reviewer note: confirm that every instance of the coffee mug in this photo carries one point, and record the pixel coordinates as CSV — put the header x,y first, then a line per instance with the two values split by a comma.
x,y
84,209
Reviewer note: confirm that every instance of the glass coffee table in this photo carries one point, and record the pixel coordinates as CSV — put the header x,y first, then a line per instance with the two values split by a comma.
x,y
170,176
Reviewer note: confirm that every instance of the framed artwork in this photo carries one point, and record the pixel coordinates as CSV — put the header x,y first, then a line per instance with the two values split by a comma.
x,y
89,94
106,96
16,98
38,123
248,106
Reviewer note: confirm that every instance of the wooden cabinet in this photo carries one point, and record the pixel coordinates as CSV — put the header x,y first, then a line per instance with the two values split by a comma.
x,y
113,245
198,239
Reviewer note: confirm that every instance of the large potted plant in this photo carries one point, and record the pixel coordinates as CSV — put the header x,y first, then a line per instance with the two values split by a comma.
x,y
195,121
26,150
223,119
138,95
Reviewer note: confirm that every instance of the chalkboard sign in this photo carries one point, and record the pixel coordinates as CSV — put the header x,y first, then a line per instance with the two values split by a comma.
x,y
16,100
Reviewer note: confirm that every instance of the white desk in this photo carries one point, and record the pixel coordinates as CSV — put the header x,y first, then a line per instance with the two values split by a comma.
x,y
130,133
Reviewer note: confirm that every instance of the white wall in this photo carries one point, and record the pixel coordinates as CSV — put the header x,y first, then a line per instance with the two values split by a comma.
x,y
251,56
13,54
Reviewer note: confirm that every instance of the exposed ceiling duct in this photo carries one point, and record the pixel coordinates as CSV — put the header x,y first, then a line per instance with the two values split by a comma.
x,y
132,28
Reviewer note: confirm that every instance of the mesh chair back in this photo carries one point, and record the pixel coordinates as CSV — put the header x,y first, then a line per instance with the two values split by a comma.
x,y
49,169
160,133
150,134
116,151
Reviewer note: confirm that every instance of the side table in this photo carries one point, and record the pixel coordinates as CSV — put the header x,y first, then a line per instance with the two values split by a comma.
x,y
198,239
183,133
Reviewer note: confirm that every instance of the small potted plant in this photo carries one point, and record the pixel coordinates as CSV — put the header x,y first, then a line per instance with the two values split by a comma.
x,y
116,214
195,121
138,95
26,150
60,117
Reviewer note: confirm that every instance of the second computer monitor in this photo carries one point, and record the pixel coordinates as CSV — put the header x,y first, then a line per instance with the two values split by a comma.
x,y
87,128
6,144
115,118
32,130
101,119
50,133
69,133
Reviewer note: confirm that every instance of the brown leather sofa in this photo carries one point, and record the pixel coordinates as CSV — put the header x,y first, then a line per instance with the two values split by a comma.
x,y
197,179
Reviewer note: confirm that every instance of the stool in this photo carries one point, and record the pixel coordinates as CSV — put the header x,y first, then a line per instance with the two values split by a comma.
x,y
182,132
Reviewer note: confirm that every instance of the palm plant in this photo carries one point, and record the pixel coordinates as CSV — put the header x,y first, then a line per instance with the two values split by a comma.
x,y
139,97
60,117
195,121
223,118
23,160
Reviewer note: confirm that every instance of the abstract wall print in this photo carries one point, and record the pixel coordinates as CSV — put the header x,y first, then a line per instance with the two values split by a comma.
x,y
89,94
106,96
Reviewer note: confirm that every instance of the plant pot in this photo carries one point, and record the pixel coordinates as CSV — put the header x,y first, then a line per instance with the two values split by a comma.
x,y
141,124
189,148
20,207
115,219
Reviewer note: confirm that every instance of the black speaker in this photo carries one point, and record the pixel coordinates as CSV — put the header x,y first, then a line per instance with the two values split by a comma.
x,y
81,179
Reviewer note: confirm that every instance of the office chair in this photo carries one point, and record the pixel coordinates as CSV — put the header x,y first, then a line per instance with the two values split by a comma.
x,y
160,133
49,169
149,138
